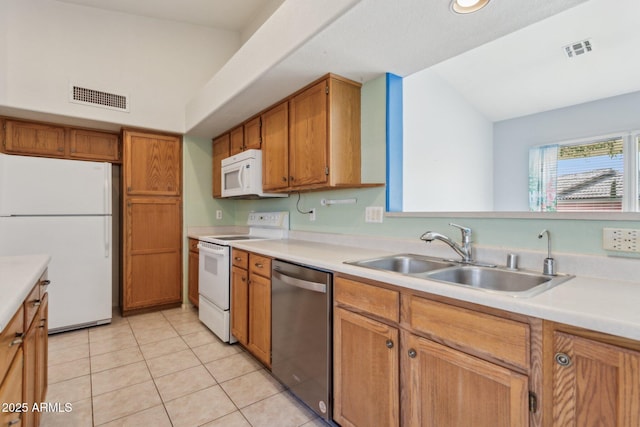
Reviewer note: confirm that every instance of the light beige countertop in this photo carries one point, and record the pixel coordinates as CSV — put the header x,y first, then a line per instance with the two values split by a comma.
x,y
18,275
606,305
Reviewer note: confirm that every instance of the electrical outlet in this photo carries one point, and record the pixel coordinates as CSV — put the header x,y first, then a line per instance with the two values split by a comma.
x,y
373,214
312,214
621,239
219,214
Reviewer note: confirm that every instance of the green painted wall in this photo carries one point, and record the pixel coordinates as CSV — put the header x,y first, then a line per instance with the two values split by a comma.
x,y
573,236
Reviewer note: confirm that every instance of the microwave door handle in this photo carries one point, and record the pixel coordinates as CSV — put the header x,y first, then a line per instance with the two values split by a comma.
x,y
240,173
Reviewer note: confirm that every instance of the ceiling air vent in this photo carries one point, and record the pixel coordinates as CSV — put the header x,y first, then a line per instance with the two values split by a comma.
x,y
578,48
97,98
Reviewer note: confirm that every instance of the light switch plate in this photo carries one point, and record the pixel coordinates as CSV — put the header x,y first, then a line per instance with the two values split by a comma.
x,y
373,214
621,239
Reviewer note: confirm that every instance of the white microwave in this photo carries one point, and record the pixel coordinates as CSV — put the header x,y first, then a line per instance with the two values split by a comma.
x,y
242,176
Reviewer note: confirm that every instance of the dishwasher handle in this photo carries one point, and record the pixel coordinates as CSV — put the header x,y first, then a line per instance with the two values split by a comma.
x,y
300,283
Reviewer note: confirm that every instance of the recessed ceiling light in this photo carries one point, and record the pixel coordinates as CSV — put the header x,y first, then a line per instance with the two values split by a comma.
x,y
468,6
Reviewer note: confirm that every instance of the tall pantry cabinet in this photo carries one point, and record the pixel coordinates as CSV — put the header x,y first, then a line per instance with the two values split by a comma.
x,y
151,221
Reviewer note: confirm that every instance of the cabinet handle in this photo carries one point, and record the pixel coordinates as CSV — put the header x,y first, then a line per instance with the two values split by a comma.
x,y
237,258
37,303
284,179
563,359
292,178
45,282
243,279
412,353
17,340
258,265
389,344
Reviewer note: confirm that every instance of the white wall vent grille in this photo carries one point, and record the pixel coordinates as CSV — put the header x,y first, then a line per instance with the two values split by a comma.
x,y
578,48
97,98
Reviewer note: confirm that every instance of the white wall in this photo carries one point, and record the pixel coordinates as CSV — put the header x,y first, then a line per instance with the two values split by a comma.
x,y
514,137
160,65
441,129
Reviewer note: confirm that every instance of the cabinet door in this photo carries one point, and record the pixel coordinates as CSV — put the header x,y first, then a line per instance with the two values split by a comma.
x,y
275,148
42,339
252,134
240,305
260,318
448,387
152,261
30,349
34,138
308,137
366,373
11,392
594,384
220,151
152,164
236,140
92,145
194,260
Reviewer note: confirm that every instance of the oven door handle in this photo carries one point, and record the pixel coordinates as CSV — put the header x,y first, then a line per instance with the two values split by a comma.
x,y
300,283
213,251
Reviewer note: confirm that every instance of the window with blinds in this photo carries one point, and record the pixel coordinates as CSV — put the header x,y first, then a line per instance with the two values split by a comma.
x,y
586,177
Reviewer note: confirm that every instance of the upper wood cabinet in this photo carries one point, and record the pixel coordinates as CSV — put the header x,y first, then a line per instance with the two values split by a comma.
x,y
594,383
220,151
92,145
275,148
324,135
245,137
34,138
152,164
309,140
252,138
236,137
46,140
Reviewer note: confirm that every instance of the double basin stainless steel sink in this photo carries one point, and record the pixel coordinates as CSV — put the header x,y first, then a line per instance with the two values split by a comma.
x,y
517,283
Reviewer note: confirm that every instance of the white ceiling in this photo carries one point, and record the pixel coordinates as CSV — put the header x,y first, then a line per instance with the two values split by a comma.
x,y
234,15
527,71
406,36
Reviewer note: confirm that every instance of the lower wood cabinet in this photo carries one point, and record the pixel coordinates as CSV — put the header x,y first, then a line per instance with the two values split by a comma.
x,y
403,359
251,303
152,254
447,387
194,260
366,375
23,360
594,383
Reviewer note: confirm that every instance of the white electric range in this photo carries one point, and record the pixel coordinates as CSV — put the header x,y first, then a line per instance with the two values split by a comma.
x,y
214,268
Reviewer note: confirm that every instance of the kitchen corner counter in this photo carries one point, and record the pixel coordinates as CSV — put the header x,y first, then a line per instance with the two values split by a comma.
x,y
18,275
608,306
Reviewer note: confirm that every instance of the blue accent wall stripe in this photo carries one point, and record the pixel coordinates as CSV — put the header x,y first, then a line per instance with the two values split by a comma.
x,y
394,142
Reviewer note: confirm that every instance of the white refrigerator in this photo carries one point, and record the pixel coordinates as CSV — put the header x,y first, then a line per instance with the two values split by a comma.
x,y
62,208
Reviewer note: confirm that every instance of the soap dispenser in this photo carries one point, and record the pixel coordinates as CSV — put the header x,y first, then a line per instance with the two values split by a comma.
x,y
549,266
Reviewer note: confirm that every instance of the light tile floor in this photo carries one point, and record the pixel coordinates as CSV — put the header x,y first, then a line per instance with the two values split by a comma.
x,y
163,369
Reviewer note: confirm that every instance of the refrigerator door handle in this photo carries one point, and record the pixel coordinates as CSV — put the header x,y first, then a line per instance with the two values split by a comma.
x,y
107,236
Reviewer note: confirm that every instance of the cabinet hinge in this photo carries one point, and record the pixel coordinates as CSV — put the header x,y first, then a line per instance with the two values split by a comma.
x,y
326,170
326,89
533,402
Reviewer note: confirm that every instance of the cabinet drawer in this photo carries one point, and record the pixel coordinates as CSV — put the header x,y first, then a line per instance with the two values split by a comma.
x,y
381,302
240,258
31,305
260,265
10,340
483,334
193,245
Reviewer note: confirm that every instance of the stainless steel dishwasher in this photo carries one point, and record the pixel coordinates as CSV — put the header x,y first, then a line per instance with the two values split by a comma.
x,y
301,337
